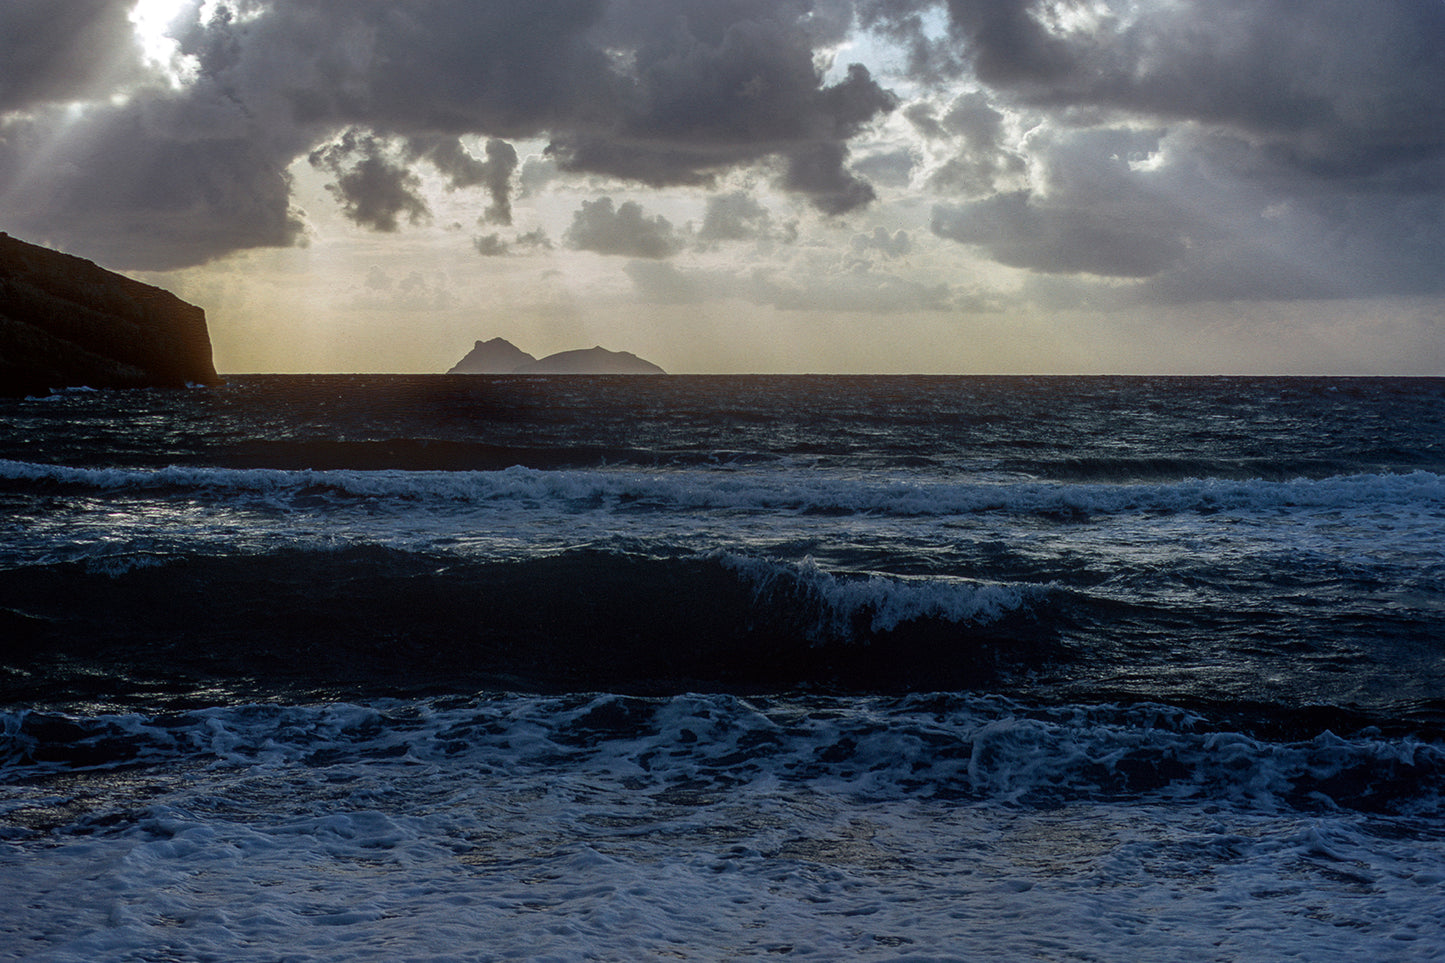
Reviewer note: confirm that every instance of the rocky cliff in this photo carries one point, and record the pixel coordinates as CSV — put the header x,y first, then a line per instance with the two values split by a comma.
x,y
66,322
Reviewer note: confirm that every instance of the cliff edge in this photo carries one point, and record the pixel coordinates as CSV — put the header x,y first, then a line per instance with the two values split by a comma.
x,y
66,322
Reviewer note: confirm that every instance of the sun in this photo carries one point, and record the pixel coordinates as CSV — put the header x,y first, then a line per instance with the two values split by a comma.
x,y
153,21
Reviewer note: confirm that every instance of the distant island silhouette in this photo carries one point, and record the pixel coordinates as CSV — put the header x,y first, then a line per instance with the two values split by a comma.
x,y
500,356
67,323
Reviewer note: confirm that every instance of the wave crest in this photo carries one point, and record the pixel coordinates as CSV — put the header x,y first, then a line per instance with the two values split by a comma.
x,y
383,620
753,490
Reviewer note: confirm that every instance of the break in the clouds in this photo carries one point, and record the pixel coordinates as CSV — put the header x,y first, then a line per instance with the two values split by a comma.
x,y
1160,151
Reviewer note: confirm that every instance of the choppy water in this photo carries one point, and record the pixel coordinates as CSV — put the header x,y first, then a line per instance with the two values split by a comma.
x,y
711,668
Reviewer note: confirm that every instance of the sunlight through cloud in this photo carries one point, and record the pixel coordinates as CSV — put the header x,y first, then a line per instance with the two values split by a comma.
x,y
153,21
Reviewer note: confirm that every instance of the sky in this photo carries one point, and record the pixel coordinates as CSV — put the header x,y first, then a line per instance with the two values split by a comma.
x,y
852,186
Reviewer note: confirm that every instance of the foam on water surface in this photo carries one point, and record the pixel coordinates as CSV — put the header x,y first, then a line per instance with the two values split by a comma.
x,y
707,828
757,489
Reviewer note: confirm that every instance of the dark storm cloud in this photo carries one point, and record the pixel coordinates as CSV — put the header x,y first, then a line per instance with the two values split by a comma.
x,y
462,170
1310,132
623,230
1007,42
819,173
133,187
1303,144
657,92
1335,87
1057,240
373,187
64,50
1173,212
1089,212
697,107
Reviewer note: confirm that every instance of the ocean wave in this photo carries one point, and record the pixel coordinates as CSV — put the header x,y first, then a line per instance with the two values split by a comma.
x,y
953,747
749,490
884,602
378,620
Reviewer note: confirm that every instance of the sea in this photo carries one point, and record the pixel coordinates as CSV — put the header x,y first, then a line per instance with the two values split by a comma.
x,y
482,668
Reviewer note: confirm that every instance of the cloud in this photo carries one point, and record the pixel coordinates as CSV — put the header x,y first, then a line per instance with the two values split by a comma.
x,y
624,230
1335,88
134,186
536,174
1088,210
718,85
858,290
892,245
932,60
819,174
1054,239
1199,216
55,51
1194,149
463,170
1007,41
374,189
1148,141
983,158
655,93
893,168
735,216
492,245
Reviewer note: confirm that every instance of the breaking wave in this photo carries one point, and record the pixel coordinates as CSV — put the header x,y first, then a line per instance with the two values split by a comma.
x,y
753,490
940,746
382,620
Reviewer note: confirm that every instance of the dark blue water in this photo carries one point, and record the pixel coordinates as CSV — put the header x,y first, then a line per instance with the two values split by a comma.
x,y
695,663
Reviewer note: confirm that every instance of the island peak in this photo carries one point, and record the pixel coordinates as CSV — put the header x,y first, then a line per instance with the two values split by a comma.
x,y
500,356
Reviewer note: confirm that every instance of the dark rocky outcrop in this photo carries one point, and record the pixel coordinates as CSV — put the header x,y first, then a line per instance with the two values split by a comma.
x,y
499,356
590,361
66,322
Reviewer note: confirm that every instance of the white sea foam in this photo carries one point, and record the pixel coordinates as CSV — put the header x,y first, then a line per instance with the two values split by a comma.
x,y
1383,530
765,490
887,601
60,394
708,828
